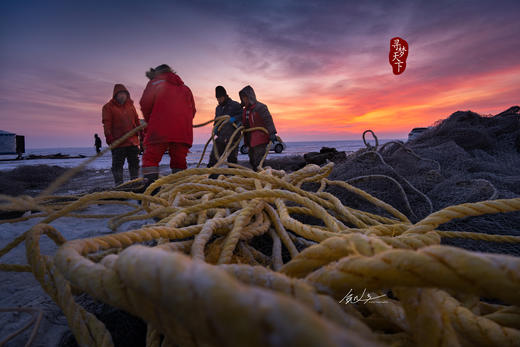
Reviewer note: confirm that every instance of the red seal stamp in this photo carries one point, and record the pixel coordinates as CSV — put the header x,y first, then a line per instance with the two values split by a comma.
x,y
398,54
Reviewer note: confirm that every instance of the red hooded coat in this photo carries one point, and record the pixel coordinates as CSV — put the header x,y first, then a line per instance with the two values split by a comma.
x,y
119,119
256,115
168,108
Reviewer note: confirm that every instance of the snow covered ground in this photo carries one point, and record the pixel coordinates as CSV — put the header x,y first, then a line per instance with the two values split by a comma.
x,y
22,289
105,162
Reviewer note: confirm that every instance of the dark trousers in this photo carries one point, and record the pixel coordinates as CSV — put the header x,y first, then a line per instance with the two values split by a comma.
x,y
256,154
221,146
131,154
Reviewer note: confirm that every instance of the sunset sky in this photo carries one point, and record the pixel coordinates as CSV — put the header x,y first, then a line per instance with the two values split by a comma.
x,y
320,66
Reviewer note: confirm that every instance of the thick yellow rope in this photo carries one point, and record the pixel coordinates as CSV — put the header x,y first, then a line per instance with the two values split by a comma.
x,y
488,275
463,211
229,262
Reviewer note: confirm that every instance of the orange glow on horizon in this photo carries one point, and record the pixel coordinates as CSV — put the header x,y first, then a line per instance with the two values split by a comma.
x,y
368,103
329,115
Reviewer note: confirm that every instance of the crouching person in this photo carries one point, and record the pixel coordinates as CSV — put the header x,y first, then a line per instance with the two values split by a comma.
x,y
256,114
119,117
168,108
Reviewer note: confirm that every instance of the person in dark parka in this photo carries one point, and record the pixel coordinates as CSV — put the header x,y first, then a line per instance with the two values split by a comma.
x,y
97,143
256,114
226,106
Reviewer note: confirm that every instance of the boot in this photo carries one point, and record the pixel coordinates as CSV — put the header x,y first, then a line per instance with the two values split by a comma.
x,y
133,167
118,182
118,177
148,179
134,175
176,170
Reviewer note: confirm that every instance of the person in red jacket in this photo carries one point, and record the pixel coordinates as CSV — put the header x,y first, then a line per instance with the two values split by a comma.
x,y
168,108
256,114
119,117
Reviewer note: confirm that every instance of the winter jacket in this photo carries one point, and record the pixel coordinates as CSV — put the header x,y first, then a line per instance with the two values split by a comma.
x,y
119,119
168,108
256,115
233,109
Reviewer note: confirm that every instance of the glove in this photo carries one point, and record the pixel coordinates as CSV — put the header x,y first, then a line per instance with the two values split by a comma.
x,y
272,137
232,119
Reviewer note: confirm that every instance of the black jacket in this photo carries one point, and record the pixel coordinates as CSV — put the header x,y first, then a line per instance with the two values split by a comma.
x,y
233,109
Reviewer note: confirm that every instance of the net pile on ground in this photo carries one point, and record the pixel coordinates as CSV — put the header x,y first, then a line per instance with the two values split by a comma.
x,y
227,264
464,158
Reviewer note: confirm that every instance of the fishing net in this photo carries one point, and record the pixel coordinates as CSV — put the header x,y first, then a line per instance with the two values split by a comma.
x,y
228,261
464,158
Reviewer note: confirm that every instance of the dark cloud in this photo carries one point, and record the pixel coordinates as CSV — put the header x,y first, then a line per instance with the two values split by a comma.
x,y
50,85
308,38
38,100
32,81
60,59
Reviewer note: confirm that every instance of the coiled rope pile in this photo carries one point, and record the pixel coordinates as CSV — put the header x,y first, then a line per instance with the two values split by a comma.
x,y
198,276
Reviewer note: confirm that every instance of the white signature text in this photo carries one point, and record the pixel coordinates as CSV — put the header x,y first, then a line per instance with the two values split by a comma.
x,y
354,299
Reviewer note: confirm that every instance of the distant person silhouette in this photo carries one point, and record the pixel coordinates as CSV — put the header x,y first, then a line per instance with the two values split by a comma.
x,y
97,143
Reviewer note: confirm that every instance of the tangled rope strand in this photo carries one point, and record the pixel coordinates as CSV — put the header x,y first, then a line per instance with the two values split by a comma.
x,y
279,280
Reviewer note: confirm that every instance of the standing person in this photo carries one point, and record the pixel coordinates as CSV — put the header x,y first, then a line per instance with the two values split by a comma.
x,y
226,106
119,117
168,108
255,115
97,143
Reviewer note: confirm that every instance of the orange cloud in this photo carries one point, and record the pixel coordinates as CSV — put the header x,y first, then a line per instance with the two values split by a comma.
x,y
395,111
